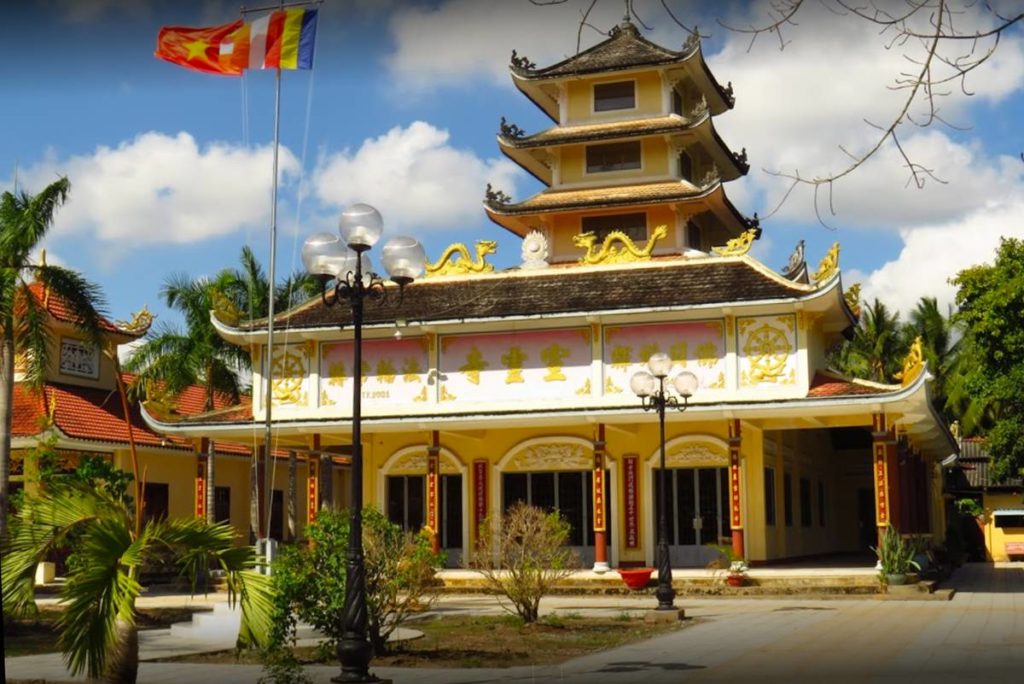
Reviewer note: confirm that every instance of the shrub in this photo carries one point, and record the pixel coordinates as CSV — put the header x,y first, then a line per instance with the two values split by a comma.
x,y
524,558
309,580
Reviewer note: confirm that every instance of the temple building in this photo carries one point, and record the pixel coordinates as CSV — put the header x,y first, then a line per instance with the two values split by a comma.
x,y
484,387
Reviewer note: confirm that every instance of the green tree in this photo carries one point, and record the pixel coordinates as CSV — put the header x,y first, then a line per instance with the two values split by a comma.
x,y
878,346
98,632
171,359
24,327
247,289
990,299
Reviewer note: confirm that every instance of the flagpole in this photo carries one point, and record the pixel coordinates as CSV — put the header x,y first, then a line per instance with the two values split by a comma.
x,y
267,393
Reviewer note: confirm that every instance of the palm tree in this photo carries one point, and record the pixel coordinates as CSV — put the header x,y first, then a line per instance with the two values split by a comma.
x,y
24,222
877,349
98,632
171,360
938,346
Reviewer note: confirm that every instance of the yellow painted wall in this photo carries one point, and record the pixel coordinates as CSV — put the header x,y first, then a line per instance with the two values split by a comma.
x,y
177,470
752,492
653,162
648,97
997,537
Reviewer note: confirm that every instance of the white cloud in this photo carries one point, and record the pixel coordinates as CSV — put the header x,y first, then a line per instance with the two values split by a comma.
x,y
933,254
461,40
415,176
157,189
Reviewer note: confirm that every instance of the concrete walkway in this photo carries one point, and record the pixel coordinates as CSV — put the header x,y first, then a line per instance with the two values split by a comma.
x,y
978,636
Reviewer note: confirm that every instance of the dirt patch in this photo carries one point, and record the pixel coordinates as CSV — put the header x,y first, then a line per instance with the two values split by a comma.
x,y
488,641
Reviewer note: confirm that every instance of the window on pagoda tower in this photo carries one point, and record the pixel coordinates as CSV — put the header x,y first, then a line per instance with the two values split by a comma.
x,y
685,166
623,156
677,102
633,225
609,97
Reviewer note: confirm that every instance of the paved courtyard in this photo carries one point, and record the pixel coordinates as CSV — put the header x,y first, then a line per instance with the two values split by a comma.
x,y
978,636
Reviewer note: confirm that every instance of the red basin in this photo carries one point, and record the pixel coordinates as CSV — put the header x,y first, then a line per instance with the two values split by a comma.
x,y
637,578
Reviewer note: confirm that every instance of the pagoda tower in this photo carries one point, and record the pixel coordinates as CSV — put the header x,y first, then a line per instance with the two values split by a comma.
x,y
633,149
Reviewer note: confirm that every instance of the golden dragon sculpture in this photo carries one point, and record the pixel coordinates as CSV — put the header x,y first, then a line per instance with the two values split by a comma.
x,y
463,263
610,253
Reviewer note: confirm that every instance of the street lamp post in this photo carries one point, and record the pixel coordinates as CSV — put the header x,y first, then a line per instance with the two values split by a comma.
x,y
649,385
346,261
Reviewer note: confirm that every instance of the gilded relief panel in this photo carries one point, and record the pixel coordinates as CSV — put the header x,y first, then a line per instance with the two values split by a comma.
x,y
289,385
394,371
516,366
767,351
697,346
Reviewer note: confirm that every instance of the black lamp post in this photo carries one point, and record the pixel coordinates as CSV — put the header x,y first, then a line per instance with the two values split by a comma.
x,y
650,387
345,260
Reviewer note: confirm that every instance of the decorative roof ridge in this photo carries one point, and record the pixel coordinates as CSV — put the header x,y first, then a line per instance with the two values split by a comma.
x,y
771,273
522,67
833,374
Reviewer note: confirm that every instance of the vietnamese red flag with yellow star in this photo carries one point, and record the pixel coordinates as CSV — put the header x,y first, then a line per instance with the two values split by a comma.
x,y
200,48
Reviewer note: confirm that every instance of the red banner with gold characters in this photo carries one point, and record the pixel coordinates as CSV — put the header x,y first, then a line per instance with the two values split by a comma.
x,y
599,521
200,497
735,490
881,486
313,488
432,466
629,468
479,494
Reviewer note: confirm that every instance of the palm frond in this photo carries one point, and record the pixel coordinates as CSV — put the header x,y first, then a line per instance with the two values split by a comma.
x,y
32,336
101,591
25,219
42,524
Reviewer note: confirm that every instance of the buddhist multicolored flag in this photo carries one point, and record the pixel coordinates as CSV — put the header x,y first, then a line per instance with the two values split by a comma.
x,y
283,39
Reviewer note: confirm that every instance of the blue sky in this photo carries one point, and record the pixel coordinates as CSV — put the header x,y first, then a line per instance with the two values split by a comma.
x,y
170,169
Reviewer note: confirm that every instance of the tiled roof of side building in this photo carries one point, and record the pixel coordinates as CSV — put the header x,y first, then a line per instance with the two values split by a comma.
x,y
95,414
512,294
59,309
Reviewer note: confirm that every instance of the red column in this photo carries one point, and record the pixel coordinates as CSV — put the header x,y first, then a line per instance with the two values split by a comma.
x,y
312,486
600,524
736,489
433,465
883,457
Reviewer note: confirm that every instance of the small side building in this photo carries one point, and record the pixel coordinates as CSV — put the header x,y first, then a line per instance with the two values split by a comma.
x,y
1001,501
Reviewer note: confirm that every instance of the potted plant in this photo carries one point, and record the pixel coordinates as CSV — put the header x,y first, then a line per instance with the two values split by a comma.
x,y
737,576
895,557
726,560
